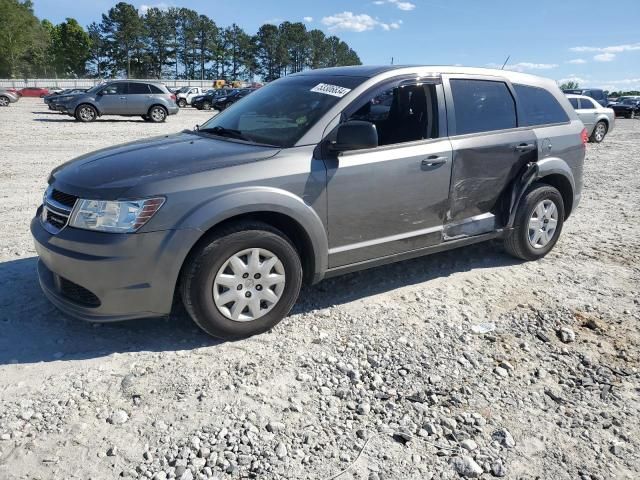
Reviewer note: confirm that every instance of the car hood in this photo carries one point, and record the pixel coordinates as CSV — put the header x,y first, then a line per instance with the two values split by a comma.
x,y
111,172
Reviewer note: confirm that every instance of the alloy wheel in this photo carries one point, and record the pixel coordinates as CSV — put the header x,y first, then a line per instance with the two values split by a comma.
x,y
4,101
157,114
601,130
543,223
87,114
249,284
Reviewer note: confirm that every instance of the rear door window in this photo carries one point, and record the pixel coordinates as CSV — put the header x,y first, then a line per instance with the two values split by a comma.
x,y
586,104
539,106
138,88
482,106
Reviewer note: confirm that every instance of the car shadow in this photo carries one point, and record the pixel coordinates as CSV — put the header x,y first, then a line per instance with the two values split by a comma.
x,y
32,330
67,118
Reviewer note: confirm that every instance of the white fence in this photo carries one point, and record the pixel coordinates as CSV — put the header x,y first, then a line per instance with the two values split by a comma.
x,y
89,82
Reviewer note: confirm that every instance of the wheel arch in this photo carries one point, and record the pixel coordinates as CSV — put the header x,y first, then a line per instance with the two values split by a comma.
x,y
557,173
280,209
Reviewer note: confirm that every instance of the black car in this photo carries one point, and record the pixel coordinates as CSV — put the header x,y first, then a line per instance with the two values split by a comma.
x,y
626,107
597,94
50,100
220,101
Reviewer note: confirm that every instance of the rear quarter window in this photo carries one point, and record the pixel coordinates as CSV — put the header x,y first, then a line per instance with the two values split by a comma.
x,y
539,107
155,89
482,106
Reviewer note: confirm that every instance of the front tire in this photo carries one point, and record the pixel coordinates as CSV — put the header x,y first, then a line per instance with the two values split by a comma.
x,y
157,114
538,223
243,280
182,103
206,105
4,101
599,132
86,113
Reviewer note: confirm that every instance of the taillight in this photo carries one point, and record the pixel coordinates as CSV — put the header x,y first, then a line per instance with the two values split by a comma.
x,y
173,97
584,136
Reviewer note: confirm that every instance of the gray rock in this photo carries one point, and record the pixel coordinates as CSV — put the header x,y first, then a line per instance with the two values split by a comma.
x,y
566,335
469,444
466,467
498,470
281,450
504,438
118,417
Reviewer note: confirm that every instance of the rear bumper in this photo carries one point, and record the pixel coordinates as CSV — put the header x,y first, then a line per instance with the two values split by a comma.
x,y
173,109
105,277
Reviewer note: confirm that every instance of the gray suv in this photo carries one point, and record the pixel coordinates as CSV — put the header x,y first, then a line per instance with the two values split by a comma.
x,y
314,175
150,100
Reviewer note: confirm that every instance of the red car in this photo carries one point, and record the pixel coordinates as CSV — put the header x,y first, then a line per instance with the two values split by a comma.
x,y
33,92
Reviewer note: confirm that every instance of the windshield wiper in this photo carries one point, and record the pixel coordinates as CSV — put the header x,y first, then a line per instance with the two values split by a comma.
x,y
225,132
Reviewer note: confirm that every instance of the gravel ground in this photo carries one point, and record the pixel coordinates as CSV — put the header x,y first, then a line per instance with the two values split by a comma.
x,y
385,373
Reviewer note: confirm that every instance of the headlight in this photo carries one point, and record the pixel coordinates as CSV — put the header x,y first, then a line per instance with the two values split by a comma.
x,y
111,216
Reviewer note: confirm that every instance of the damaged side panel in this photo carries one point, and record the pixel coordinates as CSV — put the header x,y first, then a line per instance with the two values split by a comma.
x,y
484,170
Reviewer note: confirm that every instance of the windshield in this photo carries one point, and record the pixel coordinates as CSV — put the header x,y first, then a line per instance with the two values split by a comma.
x,y
628,101
96,88
282,112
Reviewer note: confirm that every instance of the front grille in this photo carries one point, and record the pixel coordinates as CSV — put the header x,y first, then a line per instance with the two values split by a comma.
x,y
57,209
64,198
56,219
78,294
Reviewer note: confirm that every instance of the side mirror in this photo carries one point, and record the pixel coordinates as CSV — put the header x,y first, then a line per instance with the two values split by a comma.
x,y
355,135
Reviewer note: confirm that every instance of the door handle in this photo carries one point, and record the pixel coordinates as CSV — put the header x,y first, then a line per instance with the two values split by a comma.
x,y
434,161
525,147
123,98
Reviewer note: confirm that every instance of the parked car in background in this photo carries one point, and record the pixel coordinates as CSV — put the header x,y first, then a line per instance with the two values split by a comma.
x,y
150,100
225,101
597,94
206,101
297,182
33,92
598,120
628,107
52,99
7,97
184,97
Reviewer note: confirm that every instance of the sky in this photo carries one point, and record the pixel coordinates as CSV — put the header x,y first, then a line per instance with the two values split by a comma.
x,y
592,42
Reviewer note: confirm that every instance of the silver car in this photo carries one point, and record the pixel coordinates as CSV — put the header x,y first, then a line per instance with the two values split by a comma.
x,y
7,97
598,120
150,100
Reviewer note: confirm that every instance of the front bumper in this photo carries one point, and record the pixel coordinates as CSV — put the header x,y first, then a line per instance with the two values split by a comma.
x,y
105,277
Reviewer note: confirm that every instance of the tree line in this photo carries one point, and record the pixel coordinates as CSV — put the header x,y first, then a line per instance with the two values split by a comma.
x,y
168,43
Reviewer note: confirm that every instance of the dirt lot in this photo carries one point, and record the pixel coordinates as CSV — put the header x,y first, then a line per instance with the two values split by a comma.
x,y
379,371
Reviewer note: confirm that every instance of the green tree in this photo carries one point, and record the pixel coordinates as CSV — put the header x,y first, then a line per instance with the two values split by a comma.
x,y
71,48
207,43
97,47
570,85
20,34
122,31
188,40
267,45
318,49
159,31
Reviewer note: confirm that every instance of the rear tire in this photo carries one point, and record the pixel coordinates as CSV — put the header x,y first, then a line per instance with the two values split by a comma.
x,y
206,105
86,113
216,262
157,114
599,132
4,101
536,230
182,103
